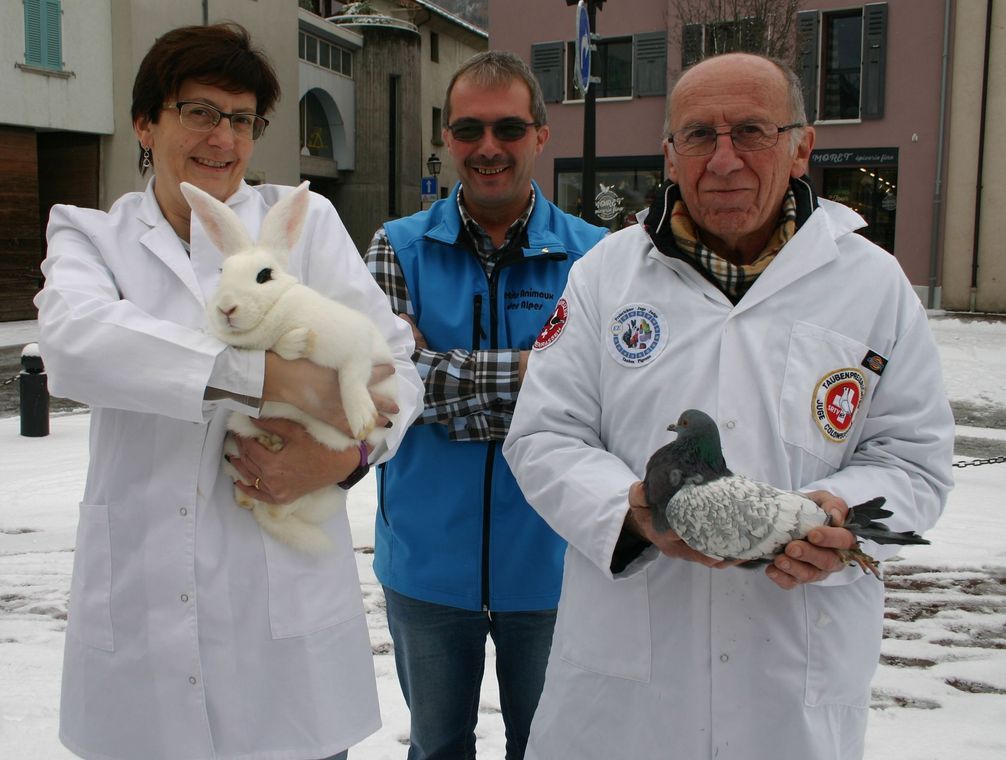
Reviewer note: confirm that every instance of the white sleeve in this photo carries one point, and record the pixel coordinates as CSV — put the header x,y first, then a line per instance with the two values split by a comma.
x,y
334,267
106,351
554,446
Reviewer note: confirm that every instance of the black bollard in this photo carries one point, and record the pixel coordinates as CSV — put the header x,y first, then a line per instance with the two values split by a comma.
x,y
33,385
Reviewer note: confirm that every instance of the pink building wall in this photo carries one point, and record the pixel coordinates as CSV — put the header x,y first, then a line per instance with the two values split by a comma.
x,y
633,126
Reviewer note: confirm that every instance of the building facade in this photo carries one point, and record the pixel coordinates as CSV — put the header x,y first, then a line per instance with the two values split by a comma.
x,y
881,81
356,117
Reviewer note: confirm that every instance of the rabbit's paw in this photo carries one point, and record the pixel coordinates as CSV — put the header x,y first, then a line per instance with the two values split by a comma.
x,y
296,344
270,441
243,500
362,417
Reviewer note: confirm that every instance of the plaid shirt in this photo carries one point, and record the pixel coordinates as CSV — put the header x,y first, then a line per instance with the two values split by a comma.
x,y
471,392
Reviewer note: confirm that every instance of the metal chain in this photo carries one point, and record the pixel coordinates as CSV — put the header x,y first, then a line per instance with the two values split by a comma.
x,y
10,380
976,462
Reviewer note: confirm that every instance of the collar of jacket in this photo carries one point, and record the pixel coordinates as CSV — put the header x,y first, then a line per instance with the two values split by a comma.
x,y
538,238
657,222
150,212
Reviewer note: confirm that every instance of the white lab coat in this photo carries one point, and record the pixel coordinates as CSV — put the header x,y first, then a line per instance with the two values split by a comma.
x,y
190,633
670,659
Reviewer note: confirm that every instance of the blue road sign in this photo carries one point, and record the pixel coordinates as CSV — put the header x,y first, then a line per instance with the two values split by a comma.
x,y
582,48
429,185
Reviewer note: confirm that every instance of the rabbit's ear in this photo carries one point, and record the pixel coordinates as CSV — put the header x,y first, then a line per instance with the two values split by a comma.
x,y
283,224
220,222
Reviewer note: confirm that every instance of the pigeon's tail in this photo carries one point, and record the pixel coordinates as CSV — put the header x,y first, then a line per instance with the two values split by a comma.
x,y
864,520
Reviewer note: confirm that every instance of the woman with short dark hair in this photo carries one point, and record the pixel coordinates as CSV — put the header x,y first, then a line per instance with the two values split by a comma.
x,y
190,633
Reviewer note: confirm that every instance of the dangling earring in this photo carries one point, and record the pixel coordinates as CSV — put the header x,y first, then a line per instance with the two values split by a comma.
x,y
146,158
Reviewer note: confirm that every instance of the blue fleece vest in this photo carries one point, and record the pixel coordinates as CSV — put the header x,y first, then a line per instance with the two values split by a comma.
x,y
453,527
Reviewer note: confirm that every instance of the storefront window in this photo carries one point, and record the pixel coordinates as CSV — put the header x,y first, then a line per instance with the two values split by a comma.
x,y
624,186
872,192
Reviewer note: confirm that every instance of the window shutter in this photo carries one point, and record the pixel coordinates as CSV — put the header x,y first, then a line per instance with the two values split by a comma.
x,y
691,44
53,35
651,63
546,62
807,24
33,32
874,59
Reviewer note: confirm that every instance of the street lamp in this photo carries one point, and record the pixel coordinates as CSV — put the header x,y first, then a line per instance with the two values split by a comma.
x,y
433,164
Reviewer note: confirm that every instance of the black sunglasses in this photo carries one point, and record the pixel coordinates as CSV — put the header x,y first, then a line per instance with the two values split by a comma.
x,y
507,130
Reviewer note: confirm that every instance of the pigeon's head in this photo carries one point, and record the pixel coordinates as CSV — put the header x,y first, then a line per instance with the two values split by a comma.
x,y
692,423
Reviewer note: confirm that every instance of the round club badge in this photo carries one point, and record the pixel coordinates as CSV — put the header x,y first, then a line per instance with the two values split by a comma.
x,y
837,398
636,335
554,327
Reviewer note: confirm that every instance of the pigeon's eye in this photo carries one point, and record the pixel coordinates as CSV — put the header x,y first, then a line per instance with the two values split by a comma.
x,y
263,276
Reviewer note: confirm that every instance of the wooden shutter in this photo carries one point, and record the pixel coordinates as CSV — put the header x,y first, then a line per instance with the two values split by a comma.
x,y
33,32
692,43
53,35
650,52
808,59
874,59
546,62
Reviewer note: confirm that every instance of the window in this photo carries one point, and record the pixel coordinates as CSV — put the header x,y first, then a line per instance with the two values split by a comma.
x,y
325,54
626,66
841,59
323,8
315,131
43,34
434,47
625,185
700,41
438,127
612,64
841,50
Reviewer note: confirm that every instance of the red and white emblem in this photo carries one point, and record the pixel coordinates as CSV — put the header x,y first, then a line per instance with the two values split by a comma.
x,y
554,327
836,400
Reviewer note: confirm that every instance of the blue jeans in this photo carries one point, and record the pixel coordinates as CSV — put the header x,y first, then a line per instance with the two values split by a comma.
x,y
440,655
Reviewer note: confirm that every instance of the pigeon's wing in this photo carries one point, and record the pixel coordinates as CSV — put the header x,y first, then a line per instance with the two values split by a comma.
x,y
739,518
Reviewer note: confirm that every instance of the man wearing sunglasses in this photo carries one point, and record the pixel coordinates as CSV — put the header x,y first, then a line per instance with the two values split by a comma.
x,y
742,294
460,553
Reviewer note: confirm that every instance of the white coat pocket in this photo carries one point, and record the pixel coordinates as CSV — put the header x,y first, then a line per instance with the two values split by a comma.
x,y
604,625
844,625
89,614
310,593
825,392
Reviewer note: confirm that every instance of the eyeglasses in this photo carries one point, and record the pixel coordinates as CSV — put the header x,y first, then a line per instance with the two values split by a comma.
x,y
700,140
202,117
507,130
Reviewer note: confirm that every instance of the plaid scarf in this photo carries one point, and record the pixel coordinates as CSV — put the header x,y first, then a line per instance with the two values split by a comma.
x,y
734,279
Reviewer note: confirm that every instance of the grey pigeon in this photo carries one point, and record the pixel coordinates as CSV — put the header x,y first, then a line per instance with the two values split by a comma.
x,y
691,491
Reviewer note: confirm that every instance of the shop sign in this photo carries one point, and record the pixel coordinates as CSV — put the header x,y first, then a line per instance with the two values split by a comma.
x,y
854,157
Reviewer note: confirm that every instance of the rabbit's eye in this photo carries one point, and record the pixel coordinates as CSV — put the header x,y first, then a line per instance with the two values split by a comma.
x,y
263,276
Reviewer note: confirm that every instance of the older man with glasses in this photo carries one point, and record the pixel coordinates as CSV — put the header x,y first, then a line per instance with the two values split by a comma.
x,y
460,553
742,294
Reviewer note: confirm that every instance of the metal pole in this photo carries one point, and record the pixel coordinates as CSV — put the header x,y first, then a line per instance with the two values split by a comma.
x,y
588,182
934,244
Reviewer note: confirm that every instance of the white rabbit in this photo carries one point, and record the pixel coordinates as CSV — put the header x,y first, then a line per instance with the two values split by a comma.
x,y
258,305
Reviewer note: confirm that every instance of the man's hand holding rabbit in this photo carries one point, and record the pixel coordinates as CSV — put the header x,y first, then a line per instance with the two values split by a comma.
x,y
301,467
315,390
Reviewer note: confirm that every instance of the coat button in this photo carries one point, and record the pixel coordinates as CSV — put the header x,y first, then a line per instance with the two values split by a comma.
x,y
192,680
731,425
544,250
183,511
724,657
185,597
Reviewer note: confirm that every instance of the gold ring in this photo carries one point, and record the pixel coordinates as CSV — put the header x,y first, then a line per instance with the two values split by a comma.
x,y
257,482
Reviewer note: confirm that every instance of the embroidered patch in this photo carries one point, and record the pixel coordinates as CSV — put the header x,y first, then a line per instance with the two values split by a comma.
x,y
874,362
636,335
836,399
554,327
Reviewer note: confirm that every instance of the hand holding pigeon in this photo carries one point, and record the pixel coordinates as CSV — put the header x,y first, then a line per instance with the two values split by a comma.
x,y
691,491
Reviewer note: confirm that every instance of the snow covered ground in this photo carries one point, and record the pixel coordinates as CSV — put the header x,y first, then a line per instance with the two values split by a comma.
x,y
940,690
